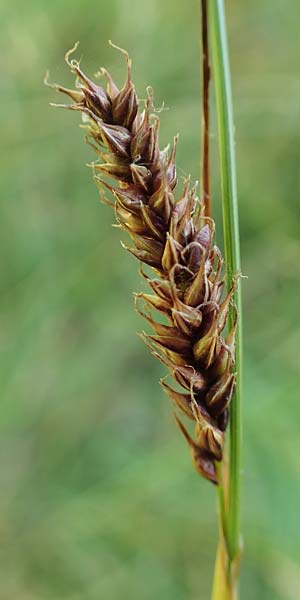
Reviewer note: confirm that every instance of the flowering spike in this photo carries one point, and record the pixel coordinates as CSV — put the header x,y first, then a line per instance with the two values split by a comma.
x,y
175,239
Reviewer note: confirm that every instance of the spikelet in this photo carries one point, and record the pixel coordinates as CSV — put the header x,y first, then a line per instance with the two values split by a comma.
x,y
177,242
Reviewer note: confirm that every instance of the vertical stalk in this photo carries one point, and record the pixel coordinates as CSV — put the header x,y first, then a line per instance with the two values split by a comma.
x,y
224,587
206,198
221,69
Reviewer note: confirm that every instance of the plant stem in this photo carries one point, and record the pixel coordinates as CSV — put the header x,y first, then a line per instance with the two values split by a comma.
x,y
224,588
220,62
206,197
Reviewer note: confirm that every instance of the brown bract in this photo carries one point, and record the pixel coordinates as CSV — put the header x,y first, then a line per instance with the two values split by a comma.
x,y
175,239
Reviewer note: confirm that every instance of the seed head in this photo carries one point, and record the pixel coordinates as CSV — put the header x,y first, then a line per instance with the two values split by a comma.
x,y
175,239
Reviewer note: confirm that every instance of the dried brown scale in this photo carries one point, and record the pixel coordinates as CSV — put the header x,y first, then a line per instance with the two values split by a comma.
x,y
176,241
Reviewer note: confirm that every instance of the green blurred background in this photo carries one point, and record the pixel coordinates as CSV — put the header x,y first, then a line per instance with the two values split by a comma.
x,y
98,496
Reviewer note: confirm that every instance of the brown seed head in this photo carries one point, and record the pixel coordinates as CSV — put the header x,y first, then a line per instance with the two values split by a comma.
x,y
174,238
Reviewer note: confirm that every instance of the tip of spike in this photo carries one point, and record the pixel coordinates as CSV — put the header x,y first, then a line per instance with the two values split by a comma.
x,y
124,52
71,63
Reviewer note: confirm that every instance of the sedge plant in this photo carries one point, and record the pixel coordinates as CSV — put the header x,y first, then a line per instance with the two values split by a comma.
x,y
193,303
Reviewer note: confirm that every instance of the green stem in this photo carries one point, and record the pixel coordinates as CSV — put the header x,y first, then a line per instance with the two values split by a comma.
x,y
224,587
221,70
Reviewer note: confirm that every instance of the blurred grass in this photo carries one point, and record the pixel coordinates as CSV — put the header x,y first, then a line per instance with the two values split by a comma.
x,y
99,499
